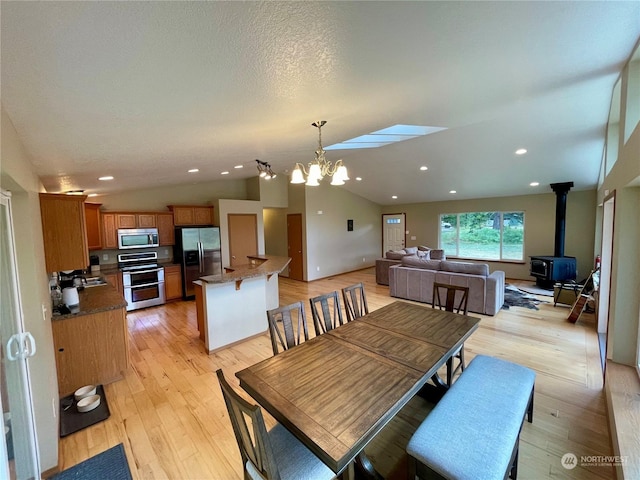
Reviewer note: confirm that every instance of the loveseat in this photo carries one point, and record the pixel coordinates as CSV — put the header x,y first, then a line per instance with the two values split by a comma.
x,y
394,257
413,279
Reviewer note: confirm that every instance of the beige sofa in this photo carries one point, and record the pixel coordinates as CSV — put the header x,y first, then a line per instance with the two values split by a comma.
x,y
413,279
394,258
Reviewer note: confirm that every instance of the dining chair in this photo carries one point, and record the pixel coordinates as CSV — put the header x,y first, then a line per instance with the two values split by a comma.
x,y
268,455
355,301
287,315
452,298
326,312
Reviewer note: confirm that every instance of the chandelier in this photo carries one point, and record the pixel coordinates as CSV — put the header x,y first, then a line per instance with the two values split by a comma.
x,y
264,170
320,167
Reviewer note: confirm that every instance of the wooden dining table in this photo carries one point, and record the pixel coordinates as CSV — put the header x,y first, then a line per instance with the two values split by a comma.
x,y
336,391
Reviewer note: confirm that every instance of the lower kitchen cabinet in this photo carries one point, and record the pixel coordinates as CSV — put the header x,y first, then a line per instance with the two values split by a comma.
x,y
90,349
173,282
115,280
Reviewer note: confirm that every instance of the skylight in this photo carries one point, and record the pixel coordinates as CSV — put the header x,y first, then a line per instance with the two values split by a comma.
x,y
386,136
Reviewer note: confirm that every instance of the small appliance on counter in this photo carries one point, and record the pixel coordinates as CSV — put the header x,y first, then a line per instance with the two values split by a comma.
x,y
70,296
94,262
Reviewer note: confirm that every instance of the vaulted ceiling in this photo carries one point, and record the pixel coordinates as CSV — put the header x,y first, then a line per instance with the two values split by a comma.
x,y
144,91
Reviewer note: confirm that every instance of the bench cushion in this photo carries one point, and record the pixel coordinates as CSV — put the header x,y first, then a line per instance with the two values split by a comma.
x,y
472,431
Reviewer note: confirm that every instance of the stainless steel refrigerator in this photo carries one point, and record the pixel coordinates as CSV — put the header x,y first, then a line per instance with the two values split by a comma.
x,y
198,251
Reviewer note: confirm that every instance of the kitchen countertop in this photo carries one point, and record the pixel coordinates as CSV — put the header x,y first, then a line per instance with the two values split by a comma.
x,y
95,300
258,266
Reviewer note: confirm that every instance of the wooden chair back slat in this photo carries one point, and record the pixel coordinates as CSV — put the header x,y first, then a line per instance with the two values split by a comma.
x,y
286,315
326,312
455,297
355,301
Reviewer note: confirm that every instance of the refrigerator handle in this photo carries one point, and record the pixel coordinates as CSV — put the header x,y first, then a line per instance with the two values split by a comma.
x,y
200,257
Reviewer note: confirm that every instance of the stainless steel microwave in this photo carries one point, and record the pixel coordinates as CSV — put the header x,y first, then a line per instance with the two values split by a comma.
x,y
137,238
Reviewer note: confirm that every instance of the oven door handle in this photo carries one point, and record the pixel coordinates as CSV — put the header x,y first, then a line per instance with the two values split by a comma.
x,y
130,287
135,272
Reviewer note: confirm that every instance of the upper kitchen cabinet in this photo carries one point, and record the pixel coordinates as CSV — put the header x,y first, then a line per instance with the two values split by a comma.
x,y
166,234
188,215
136,220
109,231
64,232
94,225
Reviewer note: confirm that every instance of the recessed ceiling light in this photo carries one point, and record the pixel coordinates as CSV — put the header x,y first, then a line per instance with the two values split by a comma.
x,y
224,173
105,178
193,170
452,191
521,151
359,179
534,184
394,196
423,168
239,166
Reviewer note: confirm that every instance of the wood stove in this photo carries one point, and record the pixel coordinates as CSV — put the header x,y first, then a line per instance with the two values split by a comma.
x,y
557,268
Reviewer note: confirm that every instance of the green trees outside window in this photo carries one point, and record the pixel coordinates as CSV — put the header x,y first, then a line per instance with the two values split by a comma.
x,y
483,235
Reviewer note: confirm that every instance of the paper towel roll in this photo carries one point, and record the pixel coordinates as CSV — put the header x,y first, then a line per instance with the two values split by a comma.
x,y
70,296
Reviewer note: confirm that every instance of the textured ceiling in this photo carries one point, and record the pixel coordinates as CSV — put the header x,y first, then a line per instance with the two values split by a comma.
x,y
144,91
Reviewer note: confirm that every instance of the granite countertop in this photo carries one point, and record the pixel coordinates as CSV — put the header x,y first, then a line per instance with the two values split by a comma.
x,y
258,266
94,300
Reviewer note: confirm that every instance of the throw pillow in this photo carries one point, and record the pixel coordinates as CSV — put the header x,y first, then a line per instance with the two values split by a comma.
x,y
437,254
423,248
411,250
395,255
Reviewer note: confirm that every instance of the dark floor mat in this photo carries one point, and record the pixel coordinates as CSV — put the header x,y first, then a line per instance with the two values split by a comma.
x,y
110,464
71,420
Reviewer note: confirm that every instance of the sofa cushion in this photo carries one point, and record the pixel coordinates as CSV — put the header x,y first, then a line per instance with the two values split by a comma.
x,y
417,262
468,268
395,254
411,250
423,248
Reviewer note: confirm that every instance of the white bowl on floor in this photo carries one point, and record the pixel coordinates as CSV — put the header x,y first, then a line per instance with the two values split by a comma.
x,y
88,403
85,391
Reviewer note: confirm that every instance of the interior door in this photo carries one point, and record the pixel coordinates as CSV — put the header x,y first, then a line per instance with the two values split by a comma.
x,y
393,232
18,448
294,245
243,237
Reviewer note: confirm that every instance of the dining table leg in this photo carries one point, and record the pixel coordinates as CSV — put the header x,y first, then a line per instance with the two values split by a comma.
x,y
365,469
434,392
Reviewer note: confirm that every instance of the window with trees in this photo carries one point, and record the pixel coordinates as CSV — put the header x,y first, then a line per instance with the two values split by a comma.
x,y
483,235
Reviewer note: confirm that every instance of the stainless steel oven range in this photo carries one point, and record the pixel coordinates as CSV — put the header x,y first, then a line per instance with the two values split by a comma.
x,y
142,279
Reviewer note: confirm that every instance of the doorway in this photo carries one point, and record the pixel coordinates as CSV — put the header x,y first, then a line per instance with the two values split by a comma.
x,y
608,215
243,237
294,246
393,231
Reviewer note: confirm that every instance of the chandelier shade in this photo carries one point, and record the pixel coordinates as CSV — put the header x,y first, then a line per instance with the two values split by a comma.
x,y
320,167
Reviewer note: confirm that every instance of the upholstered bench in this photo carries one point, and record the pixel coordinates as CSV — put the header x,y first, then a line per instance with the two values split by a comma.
x,y
473,432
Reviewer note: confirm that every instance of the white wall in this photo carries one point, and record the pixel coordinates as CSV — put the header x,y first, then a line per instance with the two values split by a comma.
x,y
330,248
17,176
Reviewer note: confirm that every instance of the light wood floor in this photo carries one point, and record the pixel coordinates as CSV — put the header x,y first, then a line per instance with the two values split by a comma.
x,y
169,414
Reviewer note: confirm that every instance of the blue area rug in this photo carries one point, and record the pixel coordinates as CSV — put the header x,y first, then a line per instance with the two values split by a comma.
x,y
108,465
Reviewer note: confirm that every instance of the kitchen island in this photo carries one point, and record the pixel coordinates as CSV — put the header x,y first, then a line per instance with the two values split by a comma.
x,y
91,342
232,306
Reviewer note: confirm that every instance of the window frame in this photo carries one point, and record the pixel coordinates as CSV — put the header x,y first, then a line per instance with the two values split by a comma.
x,y
501,245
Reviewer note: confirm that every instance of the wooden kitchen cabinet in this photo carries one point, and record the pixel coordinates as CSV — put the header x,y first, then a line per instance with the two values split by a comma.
x,y
189,215
94,225
64,232
136,220
90,349
109,231
172,282
115,280
166,233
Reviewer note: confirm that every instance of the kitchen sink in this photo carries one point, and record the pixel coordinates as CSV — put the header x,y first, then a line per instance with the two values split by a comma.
x,y
94,282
